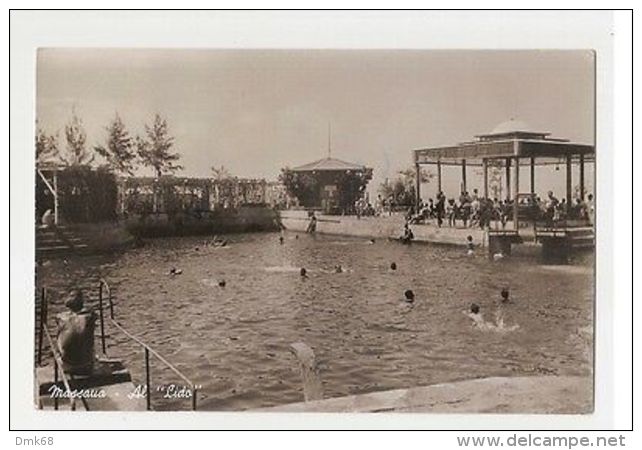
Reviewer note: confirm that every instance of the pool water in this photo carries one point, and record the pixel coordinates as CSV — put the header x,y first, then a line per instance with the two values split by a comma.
x,y
234,340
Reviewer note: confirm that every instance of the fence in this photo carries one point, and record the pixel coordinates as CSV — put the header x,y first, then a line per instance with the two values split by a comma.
x,y
170,195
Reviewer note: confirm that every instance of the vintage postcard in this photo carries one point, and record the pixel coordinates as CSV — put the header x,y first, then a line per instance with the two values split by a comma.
x,y
314,230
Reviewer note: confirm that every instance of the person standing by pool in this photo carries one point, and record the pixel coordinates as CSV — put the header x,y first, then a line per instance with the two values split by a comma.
x,y
312,225
590,206
407,236
440,208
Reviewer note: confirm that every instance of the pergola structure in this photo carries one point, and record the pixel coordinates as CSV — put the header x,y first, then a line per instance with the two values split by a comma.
x,y
509,145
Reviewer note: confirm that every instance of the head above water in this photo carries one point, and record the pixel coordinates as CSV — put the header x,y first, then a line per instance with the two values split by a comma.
x,y
505,294
409,295
393,266
222,283
469,238
303,272
474,308
76,301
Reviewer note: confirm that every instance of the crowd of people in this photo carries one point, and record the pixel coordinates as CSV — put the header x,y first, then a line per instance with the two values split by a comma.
x,y
473,210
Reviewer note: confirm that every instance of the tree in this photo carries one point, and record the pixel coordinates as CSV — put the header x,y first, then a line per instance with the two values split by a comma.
x,y
301,185
403,189
351,186
220,173
46,146
119,152
154,149
77,154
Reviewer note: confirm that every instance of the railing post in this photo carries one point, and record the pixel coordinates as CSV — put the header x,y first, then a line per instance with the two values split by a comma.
x,y
194,394
111,305
41,328
147,381
55,382
102,320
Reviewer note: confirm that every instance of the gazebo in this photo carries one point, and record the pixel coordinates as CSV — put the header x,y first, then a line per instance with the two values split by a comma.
x,y
509,145
328,173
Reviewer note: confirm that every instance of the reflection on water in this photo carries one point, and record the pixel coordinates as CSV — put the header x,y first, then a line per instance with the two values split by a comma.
x,y
233,340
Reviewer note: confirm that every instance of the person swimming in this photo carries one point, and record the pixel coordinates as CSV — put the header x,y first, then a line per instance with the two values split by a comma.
x,y
221,283
175,271
281,239
393,266
303,273
218,242
470,246
409,296
478,319
505,295
338,269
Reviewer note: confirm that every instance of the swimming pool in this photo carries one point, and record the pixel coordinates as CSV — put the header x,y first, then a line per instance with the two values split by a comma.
x,y
234,341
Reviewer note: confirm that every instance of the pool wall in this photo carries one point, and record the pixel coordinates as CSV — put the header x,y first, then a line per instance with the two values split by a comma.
x,y
243,219
382,227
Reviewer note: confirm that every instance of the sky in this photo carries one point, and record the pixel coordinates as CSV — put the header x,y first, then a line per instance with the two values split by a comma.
x,y
257,111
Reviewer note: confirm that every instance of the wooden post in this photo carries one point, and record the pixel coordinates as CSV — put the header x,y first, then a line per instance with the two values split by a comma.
x,y
532,175
515,192
508,179
418,180
582,188
463,175
438,176
485,165
569,182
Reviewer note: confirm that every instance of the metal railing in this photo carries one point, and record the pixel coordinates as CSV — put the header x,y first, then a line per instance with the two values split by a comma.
x,y
104,287
148,351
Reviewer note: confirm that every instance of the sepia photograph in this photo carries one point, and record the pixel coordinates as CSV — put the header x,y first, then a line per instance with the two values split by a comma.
x,y
315,230
320,220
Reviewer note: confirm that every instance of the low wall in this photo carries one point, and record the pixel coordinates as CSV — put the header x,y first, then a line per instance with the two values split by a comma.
x,y
382,227
243,219
499,395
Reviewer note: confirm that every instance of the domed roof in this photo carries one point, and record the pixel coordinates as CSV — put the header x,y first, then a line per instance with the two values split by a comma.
x,y
511,126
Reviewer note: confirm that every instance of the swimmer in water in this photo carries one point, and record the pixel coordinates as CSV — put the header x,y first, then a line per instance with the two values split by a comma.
x,y
303,273
505,295
470,246
409,296
221,283
281,240
338,269
393,266
175,271
478,320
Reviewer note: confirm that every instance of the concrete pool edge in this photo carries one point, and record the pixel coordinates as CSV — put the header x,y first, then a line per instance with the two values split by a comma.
x,y
498,395
382,227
